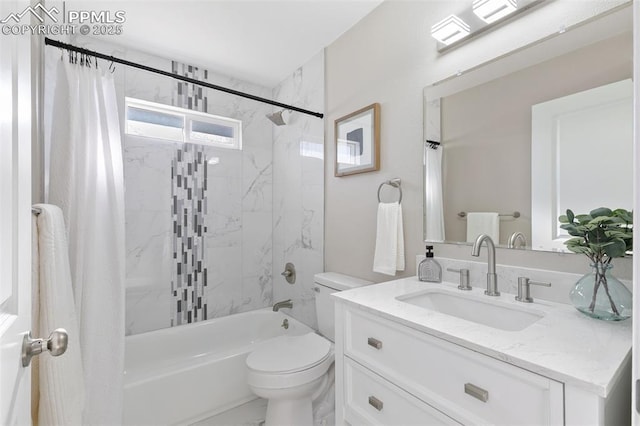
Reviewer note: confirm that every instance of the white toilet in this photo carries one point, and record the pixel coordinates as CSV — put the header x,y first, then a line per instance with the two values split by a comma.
x,y
291,371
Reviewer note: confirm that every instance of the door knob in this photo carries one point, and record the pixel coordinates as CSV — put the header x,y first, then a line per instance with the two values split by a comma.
x,y
56,345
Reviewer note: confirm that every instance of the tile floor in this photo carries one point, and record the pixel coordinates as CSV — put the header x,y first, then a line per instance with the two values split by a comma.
x,y
250,414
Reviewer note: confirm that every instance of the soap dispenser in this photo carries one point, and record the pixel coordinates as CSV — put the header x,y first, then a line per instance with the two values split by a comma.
x,y
429,269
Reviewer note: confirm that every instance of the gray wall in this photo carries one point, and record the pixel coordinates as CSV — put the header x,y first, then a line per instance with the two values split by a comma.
x,y
486,133
389,57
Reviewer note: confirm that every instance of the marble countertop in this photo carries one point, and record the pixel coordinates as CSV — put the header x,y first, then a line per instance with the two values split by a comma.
x,y
564,345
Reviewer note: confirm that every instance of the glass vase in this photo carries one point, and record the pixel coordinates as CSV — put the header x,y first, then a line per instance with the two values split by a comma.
x,y
600,295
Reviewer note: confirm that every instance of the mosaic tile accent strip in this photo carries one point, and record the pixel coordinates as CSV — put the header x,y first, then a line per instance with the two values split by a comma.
x,y
188,209
188,95
189,205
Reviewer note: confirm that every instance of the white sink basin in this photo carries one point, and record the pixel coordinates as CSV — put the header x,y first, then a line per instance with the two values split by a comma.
x,y
472,308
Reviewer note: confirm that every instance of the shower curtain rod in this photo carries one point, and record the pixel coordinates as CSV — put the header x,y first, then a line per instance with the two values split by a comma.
x,y
55,43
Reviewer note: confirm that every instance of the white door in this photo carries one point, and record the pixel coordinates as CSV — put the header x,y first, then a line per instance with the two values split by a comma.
x,y
15,220
579,122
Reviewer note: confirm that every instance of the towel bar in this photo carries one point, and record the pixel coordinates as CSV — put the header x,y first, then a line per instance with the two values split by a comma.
x,y
391,182
36,210
514,215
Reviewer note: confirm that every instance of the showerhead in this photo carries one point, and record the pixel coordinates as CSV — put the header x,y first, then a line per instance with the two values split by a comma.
x,y
279,118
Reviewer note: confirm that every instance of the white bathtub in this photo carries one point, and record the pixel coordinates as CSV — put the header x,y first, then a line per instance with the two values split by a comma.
x,y
184,374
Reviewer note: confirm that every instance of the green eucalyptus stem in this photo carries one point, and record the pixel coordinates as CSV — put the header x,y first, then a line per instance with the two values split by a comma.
x,y
592,306
605,284
601,235
613,305
601,280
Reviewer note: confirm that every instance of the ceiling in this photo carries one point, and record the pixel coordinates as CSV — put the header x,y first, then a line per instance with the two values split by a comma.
x,y
260,41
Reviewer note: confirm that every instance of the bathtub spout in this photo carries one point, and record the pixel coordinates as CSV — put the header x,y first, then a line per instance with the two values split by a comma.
x,y
284,304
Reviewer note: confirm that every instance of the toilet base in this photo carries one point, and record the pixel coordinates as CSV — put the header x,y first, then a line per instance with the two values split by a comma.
x,y
290,393
291,406
289,412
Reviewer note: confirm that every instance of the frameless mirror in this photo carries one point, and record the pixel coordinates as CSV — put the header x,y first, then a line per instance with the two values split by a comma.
x,y
545,128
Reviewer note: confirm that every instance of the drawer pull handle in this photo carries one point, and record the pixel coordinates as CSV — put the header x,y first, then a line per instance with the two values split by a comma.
x,y
476,392
374,342
375,403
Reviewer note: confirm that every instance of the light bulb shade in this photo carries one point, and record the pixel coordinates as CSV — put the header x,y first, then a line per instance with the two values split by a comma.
x,y
492,10
450,30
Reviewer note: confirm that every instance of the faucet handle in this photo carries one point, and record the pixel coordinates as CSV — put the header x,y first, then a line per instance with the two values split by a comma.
x,y
289,273
464,278
524,293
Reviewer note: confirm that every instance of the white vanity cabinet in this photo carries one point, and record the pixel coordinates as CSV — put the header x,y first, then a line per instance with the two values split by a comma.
x,y
453,384
388,373
369,399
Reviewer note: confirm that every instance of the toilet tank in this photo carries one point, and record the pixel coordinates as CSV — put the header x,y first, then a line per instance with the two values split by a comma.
x,y
325,284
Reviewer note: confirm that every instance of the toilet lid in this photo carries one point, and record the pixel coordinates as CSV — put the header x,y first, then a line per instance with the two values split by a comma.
x,y
288,354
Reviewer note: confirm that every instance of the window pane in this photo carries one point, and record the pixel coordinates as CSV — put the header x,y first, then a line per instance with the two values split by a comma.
x,y
178,124
148,130
212,129
154,117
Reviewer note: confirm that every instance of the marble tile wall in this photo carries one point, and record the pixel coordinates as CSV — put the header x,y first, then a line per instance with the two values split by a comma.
x,y
148,233
268,197
239,240
298,191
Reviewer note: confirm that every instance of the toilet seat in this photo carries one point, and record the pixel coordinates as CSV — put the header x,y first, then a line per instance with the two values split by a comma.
x,y
289,354
287,361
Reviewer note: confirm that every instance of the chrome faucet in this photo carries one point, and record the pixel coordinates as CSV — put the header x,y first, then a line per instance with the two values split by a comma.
x,y
284,304
514,238
492,278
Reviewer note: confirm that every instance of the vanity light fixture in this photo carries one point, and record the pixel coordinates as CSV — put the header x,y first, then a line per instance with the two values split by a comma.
x,y
450,30
476,18
493,10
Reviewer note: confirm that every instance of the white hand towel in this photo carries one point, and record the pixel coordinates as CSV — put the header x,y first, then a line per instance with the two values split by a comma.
x,y
483,223
58,383
389,253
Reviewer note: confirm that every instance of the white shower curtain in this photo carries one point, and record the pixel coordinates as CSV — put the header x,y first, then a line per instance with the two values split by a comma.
x,y
86,182
434,207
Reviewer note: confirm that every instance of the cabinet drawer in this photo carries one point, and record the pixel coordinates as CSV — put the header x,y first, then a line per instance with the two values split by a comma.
x,y
468,386
372,400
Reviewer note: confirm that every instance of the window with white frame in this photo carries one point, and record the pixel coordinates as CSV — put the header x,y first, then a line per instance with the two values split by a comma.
x,y
150,119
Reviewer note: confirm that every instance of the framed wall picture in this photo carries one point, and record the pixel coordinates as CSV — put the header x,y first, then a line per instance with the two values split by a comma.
x,y
358,141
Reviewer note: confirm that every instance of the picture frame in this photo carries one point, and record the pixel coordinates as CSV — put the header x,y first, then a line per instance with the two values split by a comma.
x,y
357,141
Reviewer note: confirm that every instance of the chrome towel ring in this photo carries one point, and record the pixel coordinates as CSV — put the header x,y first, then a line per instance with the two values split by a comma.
x,y
391,182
